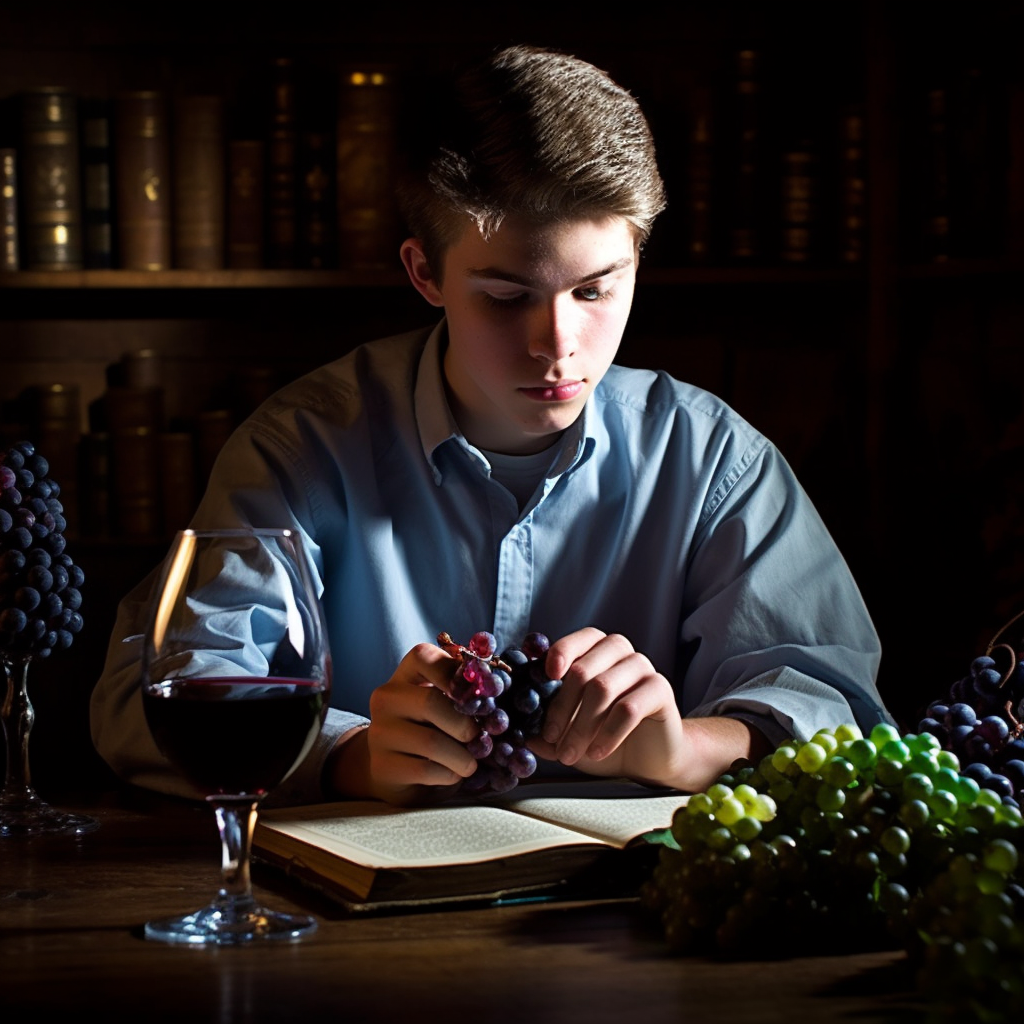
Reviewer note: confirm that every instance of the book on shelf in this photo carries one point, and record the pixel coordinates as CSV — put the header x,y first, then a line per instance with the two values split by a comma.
x,y
55,415
198,182
542,840
978,153
799,213
97,189
935,228
316,220
9,253
94,474
178,491
851,234
744,150
367,213
282,167
245,204
50,181
700,176
134,420
142,174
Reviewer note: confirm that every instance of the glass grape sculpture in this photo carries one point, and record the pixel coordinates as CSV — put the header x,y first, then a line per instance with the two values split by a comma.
x,y
40,598
507,697
40,585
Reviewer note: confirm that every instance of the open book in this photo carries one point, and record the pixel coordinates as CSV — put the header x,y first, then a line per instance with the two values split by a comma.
x,y
564,840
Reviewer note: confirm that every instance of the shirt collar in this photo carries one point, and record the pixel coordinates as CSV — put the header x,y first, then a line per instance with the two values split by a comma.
x,y
437,425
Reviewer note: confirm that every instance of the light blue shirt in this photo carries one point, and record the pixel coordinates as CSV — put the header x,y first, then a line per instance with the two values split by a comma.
x,y
664,516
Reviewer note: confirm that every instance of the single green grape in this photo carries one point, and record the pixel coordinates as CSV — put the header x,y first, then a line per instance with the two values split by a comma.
x,y
883,733
917,786
861,753
838,771
729,811
784,756
811,756
1000,855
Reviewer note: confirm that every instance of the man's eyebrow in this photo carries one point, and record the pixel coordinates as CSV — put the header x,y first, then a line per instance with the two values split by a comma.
x,y
497,274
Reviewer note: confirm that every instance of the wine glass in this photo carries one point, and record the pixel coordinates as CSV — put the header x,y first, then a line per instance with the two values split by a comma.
x,y
236,677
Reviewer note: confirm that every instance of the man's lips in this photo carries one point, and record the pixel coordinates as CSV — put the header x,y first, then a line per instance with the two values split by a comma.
x,y
563,392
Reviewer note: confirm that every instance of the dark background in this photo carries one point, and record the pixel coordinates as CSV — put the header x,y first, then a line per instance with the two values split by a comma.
x,y
893,384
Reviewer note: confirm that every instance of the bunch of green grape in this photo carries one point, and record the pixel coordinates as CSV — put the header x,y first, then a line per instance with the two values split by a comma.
x,y
850,841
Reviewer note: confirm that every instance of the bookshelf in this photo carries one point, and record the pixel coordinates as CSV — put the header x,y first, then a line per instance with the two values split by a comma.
x,y
888,381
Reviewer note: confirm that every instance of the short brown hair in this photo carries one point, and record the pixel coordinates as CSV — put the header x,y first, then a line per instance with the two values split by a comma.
x,y
530,132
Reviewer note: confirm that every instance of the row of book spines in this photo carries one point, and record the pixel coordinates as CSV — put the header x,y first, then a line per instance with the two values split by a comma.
x,y
151,185
797,211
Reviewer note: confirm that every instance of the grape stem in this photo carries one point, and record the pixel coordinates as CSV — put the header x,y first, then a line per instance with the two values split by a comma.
x,y
445,641
1005,649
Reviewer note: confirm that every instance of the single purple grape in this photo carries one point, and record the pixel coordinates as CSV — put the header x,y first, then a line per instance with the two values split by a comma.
x,y
522,763
535,645
480,746
483,644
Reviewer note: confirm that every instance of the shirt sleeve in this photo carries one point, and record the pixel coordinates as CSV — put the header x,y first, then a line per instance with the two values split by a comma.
x,y
775,629
123,739
257,483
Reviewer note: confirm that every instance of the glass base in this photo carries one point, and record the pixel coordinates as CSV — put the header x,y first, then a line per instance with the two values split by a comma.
x,y
230,923
35,817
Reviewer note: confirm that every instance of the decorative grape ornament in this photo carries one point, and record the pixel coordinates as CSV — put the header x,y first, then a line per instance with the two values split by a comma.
x,y
40,585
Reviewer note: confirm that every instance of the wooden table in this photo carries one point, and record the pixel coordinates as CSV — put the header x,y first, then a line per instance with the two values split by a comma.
x,y
71,912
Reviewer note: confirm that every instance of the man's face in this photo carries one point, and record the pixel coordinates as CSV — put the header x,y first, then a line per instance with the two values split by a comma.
x,y
535,317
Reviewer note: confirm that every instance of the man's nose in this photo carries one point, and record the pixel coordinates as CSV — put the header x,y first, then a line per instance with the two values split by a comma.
x,y
554,330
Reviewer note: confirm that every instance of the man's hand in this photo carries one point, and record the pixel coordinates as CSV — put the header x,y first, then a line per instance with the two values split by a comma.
x,y
413,750
615,715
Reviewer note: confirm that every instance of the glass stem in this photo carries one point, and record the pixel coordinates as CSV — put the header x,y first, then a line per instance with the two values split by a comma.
x,y
18,715
236,820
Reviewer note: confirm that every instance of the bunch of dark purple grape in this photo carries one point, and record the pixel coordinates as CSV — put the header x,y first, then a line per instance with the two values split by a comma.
x,y
507,696
981,720
39,583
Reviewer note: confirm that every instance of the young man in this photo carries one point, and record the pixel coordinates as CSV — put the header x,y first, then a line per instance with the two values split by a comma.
x,y
498,472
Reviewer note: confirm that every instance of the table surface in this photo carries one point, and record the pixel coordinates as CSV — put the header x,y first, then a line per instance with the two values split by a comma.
x,y
72,911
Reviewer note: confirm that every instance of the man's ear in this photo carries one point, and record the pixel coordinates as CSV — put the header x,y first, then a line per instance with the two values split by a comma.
x,y
416,266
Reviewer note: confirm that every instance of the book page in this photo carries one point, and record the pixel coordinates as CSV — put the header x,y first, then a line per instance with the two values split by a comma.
x,y
382,836
610,811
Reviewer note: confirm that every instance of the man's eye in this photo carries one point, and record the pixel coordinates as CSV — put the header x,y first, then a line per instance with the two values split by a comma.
x,y
505,300
591,293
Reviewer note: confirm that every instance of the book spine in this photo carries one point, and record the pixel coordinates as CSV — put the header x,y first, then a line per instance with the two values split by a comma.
x,y
700,171
282,162
135,420
852,180
799,213
142,161
245,204
978,163
94,474
97,194
56,418
745,241
935,194
177,479
316,200
213,428
50,184
9,253
199,182
367,213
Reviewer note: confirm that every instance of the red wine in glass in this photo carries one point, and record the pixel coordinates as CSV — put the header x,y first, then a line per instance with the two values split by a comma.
x,y
235,734
235,685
